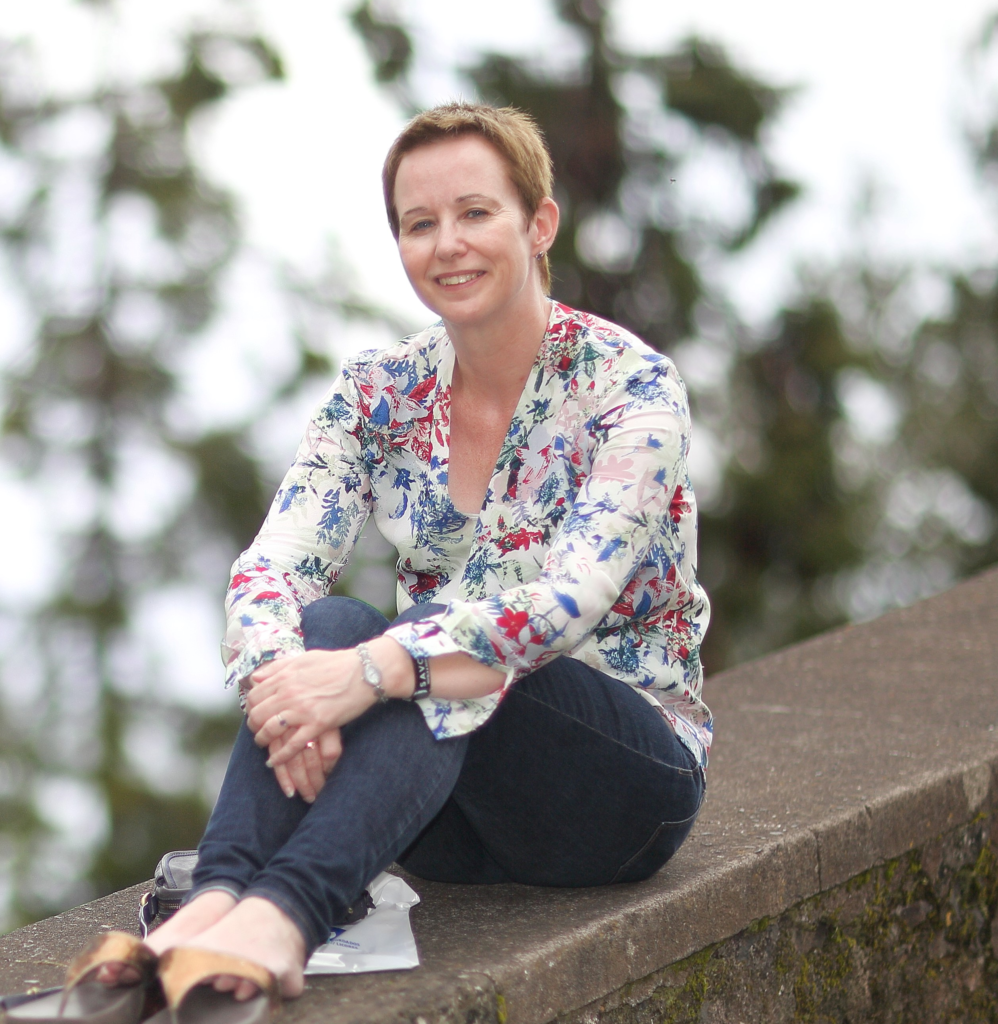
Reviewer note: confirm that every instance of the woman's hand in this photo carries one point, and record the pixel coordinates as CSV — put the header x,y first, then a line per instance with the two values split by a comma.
x,y
306,772
296,700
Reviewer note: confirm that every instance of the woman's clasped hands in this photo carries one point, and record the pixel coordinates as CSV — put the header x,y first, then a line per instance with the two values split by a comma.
x,y
295,709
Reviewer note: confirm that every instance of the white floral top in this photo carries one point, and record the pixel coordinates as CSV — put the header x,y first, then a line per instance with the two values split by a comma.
x,y
585,545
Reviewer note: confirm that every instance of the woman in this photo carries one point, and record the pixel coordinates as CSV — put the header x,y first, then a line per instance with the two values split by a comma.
x,y
529,464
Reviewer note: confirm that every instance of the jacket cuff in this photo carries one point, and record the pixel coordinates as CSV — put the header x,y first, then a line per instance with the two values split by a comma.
x,y
251,657
424,639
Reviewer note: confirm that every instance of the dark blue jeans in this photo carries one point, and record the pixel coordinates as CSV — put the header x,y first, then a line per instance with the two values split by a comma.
x,y
574,781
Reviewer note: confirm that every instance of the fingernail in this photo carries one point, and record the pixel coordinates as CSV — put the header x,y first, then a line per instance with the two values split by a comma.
x,y
269,763
289,793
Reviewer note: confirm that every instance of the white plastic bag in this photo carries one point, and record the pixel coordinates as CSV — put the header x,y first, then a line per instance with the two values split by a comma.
x,y
382,941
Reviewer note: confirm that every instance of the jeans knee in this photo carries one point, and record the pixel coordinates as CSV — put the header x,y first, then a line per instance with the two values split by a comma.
x,y
332,623
419,611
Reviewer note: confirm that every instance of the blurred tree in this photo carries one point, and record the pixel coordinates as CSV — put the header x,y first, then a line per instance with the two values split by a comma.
x,y
115,245
922,443
931,475
948,374
786,524
950,381
629,135
115,248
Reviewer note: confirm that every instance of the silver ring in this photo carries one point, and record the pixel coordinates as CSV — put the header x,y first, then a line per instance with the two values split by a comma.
x,y
310,745
282,721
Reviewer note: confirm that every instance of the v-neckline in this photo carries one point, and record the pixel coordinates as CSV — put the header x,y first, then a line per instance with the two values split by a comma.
x,y
440,434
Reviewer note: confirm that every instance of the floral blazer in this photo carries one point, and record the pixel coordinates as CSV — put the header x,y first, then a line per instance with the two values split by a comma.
x,y
585,546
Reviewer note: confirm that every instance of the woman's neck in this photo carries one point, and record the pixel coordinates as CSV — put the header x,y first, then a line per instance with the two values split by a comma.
x,y
494,360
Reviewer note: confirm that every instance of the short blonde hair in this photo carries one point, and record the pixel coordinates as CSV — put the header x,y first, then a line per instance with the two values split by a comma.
x,y
514,133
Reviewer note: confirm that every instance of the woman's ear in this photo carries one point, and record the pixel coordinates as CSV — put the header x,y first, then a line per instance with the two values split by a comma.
x,y
546,224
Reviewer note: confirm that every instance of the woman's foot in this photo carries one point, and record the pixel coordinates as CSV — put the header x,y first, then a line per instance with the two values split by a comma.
x,y
256,929
191,920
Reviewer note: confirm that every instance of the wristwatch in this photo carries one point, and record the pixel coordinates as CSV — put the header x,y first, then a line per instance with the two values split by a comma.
x,y
372,674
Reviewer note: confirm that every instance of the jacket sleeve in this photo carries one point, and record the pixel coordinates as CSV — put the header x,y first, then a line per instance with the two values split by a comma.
x,y
639,441
305,541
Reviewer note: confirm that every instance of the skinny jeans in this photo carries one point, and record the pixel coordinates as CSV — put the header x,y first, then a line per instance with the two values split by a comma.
x,y
575,780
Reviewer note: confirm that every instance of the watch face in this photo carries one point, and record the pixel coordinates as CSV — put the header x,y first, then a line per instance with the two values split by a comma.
x,y
372,675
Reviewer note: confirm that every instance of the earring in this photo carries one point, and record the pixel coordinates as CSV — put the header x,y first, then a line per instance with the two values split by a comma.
x,y
540,256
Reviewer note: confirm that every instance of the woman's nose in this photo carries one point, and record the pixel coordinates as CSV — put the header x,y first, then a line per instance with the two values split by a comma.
x,y
450,241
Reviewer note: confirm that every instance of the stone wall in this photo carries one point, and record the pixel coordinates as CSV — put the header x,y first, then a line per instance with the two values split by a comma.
x,y
914,939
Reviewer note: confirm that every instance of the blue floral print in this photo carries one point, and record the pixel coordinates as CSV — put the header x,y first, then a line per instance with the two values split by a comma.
x,y
585,546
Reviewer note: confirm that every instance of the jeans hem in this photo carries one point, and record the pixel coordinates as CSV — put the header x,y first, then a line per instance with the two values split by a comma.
x,y
232,888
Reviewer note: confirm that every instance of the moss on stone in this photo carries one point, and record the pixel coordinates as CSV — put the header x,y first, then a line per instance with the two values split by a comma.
x,y
682,1003
895,943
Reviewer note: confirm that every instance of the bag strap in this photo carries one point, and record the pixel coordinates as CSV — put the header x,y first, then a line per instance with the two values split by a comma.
x,y
148,909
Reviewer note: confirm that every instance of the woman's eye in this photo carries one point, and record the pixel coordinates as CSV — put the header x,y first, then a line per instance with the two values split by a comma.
x,y
477,213
420,225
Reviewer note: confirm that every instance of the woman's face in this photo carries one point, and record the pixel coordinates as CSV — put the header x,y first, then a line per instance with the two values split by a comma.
x,y
465,240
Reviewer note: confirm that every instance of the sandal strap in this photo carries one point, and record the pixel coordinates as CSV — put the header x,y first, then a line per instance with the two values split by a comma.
x,y
185,967
110,948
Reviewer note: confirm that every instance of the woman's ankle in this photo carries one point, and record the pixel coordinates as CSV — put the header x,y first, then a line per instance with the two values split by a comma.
x,y
280,924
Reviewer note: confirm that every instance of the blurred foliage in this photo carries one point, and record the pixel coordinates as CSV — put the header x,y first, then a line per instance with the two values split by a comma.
x,y
387,43
86,389
783,523
950,379
116,245
797,534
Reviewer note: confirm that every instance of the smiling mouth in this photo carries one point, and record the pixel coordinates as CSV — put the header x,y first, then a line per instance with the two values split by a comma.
x,y
452,279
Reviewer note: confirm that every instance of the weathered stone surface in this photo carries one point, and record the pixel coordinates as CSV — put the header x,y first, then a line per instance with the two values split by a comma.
x,y
831,757
890,944
37,955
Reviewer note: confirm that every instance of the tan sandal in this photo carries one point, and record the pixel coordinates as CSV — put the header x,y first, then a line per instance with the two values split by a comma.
x,y
85,1000
183,973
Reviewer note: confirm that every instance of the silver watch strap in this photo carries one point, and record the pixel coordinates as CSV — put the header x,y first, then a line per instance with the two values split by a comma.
x,y
372,674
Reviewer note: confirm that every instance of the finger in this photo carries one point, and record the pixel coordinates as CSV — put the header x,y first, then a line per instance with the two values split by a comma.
x,y
256,718
117,974
284,781
276,706
264,690
263,672
313,767
265,687
298,771
264,677
268,668
330,748
275,727
295,744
